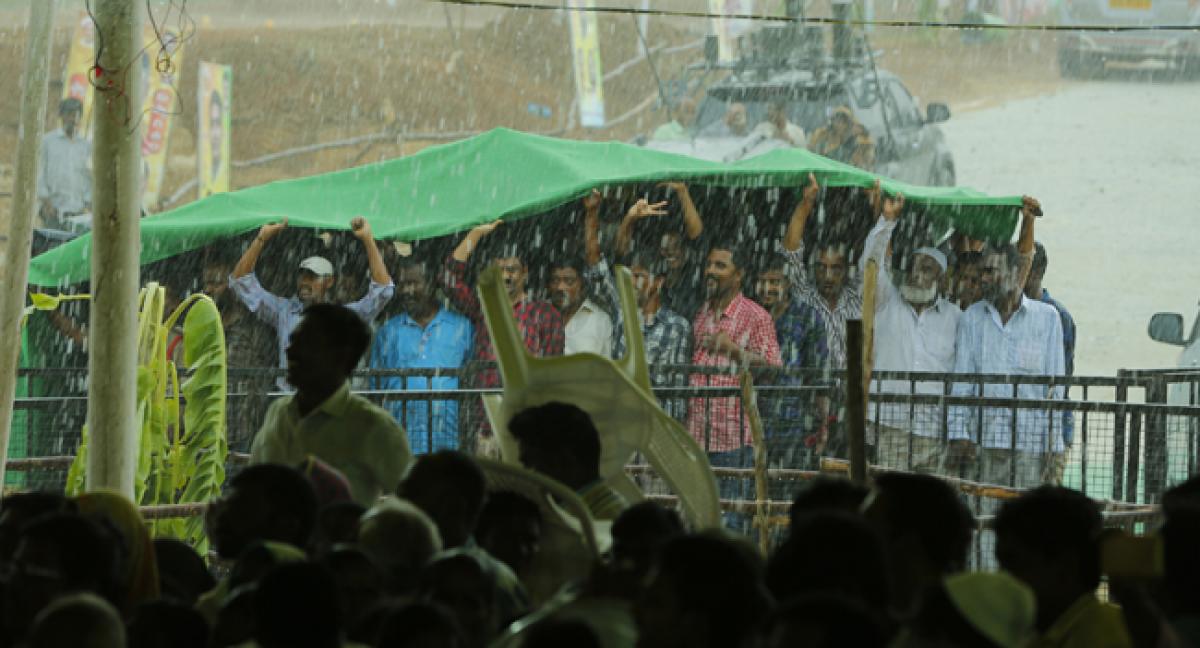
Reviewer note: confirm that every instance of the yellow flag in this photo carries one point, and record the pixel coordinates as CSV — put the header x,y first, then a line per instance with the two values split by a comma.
x,y
589,73
213,128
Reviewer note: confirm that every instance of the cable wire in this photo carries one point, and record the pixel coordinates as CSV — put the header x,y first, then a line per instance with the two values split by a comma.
x,y
932,24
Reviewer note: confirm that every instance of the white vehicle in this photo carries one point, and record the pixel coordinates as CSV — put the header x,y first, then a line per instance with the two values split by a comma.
x,y
1168,329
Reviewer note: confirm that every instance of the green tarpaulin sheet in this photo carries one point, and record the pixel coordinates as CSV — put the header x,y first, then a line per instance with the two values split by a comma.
x,y
498,174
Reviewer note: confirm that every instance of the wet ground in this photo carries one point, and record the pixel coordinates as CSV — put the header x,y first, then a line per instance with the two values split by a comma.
x,y
1116,166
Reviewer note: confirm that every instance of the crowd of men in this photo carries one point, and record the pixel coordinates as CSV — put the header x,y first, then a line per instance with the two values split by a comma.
x,y
704,300
707,310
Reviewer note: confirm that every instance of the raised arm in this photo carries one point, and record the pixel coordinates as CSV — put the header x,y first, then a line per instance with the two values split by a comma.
x,y
453,278
471,241
641,209
591,228
245,265
1030,210
878,246
794,235
362,231
693,225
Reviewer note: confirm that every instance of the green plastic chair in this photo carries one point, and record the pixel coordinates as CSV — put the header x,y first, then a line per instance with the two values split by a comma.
x,y
615,393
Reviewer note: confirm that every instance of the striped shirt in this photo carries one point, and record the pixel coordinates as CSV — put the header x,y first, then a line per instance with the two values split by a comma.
x,y
849,305
666,335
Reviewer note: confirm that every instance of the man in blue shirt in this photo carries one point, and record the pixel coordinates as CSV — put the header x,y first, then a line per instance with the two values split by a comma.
x,y
314,285
423,336
1035,291
1009,334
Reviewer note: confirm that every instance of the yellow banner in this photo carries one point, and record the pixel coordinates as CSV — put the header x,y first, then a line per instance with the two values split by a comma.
x,y
589,73
158,97
162,67
213,128
76,80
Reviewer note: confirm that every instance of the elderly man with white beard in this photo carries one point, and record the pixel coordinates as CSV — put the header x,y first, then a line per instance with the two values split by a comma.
x,y
915,331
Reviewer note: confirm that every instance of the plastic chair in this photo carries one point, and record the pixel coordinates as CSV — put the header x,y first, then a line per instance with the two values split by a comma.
x,y
615,393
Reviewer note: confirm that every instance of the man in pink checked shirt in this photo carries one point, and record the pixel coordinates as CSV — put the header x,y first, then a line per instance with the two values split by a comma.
x,y
730,332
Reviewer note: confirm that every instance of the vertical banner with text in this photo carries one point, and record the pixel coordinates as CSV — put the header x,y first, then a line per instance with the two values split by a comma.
x,y
213,128
589,73
162,62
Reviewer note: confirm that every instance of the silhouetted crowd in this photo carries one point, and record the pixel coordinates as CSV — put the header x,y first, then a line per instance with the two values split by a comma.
x,y
443,562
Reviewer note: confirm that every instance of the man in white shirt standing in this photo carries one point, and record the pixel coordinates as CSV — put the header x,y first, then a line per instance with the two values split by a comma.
x,y
64,187
588,328
915,331
1007,333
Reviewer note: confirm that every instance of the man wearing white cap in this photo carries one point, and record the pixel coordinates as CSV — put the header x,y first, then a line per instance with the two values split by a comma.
x,y
915,330
313,285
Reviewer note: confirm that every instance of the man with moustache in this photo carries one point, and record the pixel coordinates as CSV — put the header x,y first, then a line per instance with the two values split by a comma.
x,y
588,328
1007,333
423,336
915,331
540,324
666,335
730,332
801,336
676,248
825,285
313,285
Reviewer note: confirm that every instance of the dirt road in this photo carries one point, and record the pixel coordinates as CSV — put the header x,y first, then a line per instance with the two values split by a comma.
x,y
1115,165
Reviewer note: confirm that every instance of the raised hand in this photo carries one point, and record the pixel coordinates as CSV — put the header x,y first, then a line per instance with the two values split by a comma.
x,y
644,209
486,228
361,228
591,202
1030,206
268,231
892,205
811,190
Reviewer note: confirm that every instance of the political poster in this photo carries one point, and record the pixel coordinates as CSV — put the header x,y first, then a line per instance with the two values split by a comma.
x,y
213,128
162,61
589,73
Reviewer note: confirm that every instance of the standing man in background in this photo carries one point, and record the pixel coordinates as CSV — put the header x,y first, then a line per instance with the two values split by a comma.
x,y
64,187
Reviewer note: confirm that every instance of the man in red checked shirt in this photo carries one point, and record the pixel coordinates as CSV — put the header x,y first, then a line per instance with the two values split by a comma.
x,y
540,324
731,332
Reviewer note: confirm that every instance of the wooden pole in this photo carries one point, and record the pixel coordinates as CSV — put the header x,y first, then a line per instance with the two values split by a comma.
x,y
35,87
761,478
116,199
856,402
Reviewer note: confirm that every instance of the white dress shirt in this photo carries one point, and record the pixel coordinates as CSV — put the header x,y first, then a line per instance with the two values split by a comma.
x,y
65,178
1030,344
590,330
908,341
